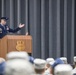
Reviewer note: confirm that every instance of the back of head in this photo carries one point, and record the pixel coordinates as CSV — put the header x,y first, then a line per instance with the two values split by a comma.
x,y
74,63
2,66
57,62
74,58
48,60
18,67
63,69
39,65
17,55
64,59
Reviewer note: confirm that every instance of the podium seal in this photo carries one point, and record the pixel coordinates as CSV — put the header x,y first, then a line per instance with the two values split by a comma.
x,y
20,45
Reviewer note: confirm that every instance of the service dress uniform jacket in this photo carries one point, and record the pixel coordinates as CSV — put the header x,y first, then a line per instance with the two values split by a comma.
x,y
4,29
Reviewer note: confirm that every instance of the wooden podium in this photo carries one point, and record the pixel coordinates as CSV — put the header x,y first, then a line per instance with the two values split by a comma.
x,y
15,43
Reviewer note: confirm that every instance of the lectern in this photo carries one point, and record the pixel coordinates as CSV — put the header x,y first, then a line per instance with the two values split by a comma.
x,y
15,43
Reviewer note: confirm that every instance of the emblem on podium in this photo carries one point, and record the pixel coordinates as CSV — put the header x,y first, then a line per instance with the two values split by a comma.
x,y
20,45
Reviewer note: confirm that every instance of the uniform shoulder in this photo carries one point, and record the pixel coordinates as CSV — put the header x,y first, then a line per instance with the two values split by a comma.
x,y
0,26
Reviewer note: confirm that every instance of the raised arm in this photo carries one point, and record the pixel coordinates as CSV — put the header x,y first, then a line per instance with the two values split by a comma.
x,y
16,29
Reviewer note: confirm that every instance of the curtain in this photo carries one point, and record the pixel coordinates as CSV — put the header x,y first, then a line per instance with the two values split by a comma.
x,y
51,23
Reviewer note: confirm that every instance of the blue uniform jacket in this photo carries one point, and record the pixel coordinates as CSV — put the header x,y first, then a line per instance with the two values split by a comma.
x,y
5,29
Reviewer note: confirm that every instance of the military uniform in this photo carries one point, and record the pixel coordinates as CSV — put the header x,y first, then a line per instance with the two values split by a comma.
x,y
4,29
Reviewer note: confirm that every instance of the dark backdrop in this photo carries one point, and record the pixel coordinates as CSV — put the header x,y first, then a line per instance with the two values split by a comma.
x,y
50,22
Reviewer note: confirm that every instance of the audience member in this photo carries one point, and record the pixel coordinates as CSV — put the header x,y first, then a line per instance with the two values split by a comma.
x,y
64,59
17,55
39,66
2,66
74,70
19,67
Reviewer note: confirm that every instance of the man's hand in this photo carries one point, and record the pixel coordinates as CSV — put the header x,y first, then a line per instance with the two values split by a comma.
x,y
21,25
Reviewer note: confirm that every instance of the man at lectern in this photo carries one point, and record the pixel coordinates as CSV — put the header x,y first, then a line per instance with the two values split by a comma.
x,y
4,28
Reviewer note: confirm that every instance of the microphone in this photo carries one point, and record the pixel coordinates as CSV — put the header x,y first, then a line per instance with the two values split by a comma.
x,y
7,27
0,30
